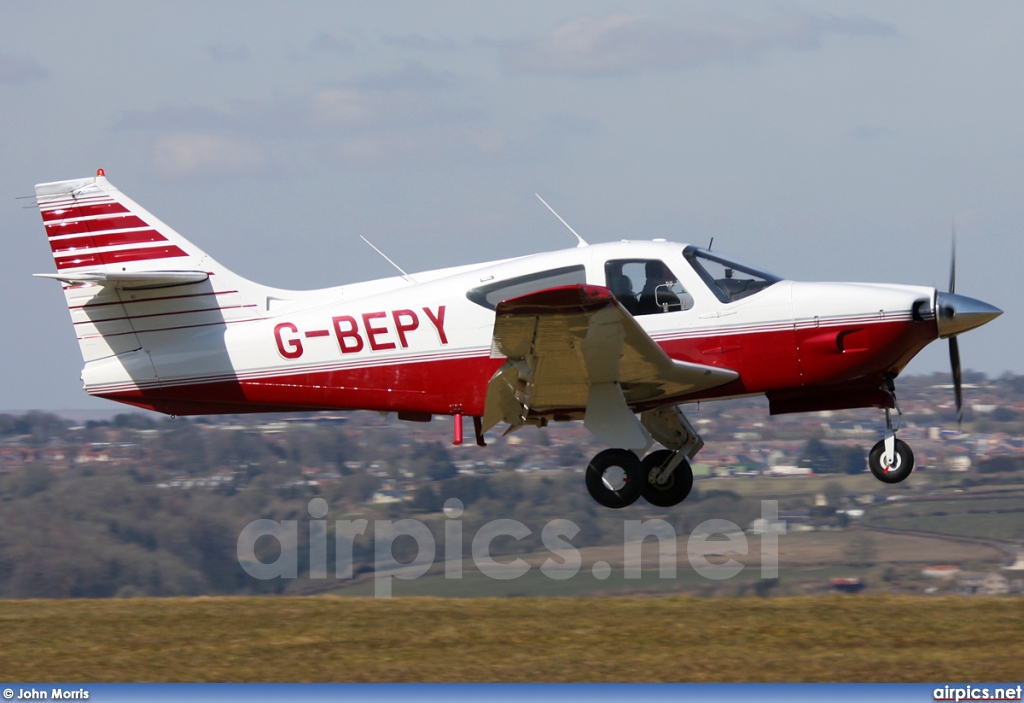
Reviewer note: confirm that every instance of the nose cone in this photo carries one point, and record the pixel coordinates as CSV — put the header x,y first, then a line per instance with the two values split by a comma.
x,y
958,313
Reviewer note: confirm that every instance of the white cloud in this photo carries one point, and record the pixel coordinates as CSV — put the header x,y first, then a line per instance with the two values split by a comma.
x,y
378,120
20,69
223,53
327,43
413,96
628,43
189,118
439,144
418,42
180,155
866,132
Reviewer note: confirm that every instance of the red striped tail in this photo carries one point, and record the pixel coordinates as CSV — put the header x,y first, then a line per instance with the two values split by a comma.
x,y
93,227
140,294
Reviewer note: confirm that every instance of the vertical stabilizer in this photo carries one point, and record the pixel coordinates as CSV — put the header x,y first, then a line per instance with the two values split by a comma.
x,y
138,292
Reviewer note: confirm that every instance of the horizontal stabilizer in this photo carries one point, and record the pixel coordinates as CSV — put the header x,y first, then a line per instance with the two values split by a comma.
x,y
136,280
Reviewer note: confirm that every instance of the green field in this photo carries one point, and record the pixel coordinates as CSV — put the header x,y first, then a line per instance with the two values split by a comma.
x,y
761,487
999,526
806,562
963,505
827,638
535,584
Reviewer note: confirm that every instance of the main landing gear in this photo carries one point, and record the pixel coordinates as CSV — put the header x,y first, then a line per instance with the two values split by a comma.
x,y
618,477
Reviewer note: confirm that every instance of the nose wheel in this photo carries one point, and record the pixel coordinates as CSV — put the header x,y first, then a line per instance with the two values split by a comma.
x,y
891,460
895,469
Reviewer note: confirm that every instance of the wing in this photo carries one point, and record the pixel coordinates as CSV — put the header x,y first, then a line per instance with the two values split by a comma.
x,y
575,349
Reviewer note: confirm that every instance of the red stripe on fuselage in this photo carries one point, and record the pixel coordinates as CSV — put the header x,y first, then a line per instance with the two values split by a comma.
x,y
155,299
439,387
767,362
175,328
162,314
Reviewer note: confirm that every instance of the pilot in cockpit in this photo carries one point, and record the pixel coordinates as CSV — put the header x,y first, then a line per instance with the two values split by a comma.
x,y
657,295
622,288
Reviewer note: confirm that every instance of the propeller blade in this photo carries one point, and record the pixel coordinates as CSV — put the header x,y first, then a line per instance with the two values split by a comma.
x,y
952,264
954,360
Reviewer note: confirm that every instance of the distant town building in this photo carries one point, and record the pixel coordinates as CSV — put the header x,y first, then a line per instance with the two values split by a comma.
x,y
941,571
848,585
1018,565
971,583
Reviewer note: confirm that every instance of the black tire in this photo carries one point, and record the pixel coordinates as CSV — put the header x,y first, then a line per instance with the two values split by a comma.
x,y
673,491
904,463
615,478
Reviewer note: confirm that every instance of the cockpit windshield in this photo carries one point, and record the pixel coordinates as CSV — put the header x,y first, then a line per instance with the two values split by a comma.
x,y
729,280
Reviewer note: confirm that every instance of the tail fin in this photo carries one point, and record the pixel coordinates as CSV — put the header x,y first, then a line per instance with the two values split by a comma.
x,y
135,286
93,229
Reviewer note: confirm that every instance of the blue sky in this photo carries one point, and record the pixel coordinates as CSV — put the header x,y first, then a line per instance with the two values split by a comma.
x,y
827,141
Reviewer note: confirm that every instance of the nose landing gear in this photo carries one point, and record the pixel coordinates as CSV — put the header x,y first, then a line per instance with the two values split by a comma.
x,y
894,467
891,460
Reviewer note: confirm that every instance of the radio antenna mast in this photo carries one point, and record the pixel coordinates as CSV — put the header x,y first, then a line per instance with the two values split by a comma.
x,y
406,276
582,242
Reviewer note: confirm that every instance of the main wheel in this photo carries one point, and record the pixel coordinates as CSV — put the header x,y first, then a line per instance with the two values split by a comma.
x,y
615,478
675,489
903,462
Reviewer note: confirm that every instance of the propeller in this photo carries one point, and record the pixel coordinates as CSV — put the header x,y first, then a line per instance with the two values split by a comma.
x,y
954,345
956,314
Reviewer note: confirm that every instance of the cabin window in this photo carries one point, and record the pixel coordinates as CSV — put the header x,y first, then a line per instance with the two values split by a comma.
x,y
646,286
493,293
729,280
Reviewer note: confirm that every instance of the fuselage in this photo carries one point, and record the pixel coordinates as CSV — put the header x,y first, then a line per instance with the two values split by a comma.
x,y
421,345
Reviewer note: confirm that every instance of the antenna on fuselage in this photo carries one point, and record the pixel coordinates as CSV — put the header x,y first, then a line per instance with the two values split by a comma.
x,y
711,243
583,242
406,276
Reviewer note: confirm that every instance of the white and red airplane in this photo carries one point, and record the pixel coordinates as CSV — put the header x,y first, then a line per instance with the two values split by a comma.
x,y
618,335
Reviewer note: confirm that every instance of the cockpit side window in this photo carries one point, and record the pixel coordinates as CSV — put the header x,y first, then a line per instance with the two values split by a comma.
x,y
728,280
646,286
490,294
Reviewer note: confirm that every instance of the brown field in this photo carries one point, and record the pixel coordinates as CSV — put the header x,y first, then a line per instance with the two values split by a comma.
x,y
827,638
